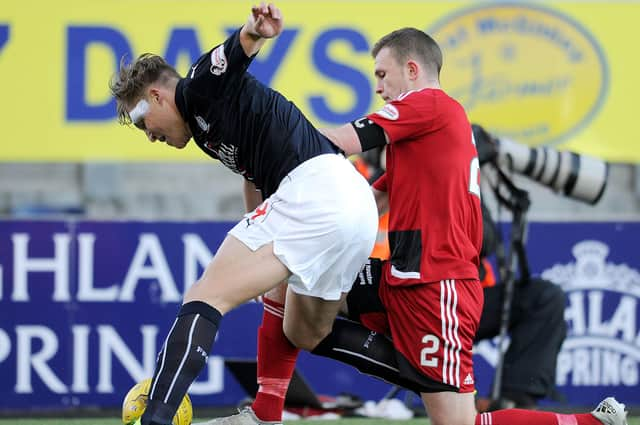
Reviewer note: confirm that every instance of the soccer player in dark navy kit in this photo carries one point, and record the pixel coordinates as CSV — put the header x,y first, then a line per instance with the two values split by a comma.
x,y
312,219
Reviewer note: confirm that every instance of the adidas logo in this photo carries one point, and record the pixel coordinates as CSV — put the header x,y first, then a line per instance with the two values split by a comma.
x,y
468,380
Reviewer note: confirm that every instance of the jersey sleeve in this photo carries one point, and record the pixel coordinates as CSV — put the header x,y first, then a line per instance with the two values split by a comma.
x,y
381,183
401,119
220,68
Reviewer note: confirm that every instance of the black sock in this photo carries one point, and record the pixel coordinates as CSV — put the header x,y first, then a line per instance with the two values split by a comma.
x,y
368,351
181,359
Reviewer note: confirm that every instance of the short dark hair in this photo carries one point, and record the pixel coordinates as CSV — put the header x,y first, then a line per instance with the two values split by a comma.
x,y
129,83
411,42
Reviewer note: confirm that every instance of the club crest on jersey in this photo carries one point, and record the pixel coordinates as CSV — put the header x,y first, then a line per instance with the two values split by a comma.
x,y
218,61
389,112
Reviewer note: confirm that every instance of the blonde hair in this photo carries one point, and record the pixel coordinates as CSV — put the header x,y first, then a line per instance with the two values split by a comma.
x,y
130,82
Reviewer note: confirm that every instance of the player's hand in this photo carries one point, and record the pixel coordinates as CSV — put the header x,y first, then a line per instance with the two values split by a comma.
x,y
265,20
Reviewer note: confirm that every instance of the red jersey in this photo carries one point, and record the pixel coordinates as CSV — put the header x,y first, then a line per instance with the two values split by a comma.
x,y
432,179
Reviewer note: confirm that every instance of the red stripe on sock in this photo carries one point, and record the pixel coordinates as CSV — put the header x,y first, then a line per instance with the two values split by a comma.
x,y
516,417
537,417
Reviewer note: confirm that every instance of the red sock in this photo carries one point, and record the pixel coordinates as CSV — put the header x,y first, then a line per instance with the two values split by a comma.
x,y
527,417
276,362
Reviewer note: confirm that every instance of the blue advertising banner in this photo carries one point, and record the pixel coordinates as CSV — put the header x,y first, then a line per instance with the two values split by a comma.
x,y
598,267
85,307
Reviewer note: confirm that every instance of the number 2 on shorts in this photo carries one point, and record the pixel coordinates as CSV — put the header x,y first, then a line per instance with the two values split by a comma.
x,y
432,345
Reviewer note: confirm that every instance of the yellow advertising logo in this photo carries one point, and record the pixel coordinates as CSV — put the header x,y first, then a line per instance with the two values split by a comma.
x,y
535,73
523,71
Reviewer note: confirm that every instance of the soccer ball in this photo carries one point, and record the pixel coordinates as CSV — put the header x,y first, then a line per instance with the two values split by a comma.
x,y
136,401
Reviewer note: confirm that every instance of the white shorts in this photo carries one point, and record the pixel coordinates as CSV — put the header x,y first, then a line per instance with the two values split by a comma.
x,y
322,221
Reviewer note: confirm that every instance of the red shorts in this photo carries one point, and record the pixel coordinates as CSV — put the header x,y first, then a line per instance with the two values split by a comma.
x,y
432,325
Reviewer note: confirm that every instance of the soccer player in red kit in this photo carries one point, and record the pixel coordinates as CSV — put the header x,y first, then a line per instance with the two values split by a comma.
x,y
435,232
429,288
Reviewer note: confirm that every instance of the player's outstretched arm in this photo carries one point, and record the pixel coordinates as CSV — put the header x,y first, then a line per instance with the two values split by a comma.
x,y
264,22
358,136
344,137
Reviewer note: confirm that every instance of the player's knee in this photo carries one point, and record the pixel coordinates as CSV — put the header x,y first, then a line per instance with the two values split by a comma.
x,y
306,337
449,408
451,417
224,301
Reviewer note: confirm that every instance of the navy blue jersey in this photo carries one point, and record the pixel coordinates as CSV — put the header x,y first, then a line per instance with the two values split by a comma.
x,y
252,129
